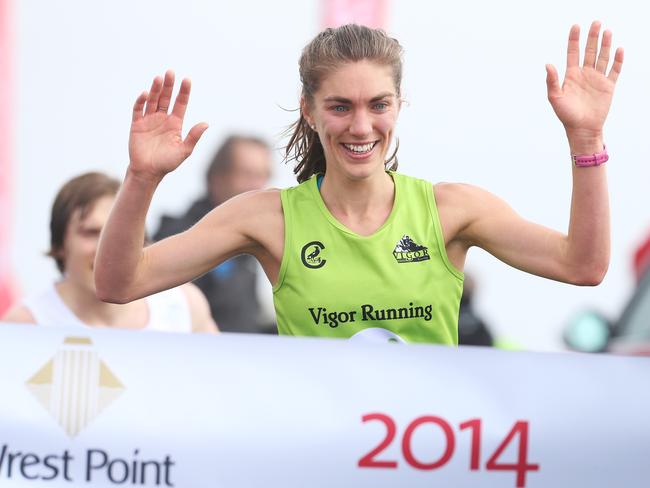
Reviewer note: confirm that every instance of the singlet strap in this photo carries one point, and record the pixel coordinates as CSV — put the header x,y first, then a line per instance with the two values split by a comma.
x,y
48,308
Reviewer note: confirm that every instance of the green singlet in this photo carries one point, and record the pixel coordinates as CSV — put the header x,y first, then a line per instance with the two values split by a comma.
x,y
396,285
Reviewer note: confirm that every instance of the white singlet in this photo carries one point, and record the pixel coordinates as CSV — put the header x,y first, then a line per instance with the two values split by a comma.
x,y
169,311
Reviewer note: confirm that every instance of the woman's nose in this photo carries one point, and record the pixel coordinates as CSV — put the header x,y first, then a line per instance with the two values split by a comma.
x,y
361,124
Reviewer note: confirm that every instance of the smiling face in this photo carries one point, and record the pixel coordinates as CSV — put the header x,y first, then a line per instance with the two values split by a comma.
x,y
354,113
80,242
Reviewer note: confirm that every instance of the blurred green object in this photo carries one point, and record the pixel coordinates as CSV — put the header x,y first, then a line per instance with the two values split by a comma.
x,y
588,332
506,344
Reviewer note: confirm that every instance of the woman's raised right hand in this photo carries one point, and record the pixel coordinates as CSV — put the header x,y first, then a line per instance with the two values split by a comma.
x,y
156,145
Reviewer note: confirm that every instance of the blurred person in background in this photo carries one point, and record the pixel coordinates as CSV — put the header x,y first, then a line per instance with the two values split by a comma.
x,y
79,213
472,329
241,164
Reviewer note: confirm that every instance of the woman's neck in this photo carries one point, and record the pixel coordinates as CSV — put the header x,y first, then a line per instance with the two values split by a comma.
x,y
362,205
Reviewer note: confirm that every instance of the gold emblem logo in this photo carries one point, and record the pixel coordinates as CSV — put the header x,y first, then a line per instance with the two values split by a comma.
x,y
75,386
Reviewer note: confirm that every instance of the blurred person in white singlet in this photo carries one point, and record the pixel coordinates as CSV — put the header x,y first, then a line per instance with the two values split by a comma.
x,y
79,213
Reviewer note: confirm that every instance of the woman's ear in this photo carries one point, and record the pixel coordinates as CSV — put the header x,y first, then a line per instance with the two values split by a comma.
x,y
56,253
305,112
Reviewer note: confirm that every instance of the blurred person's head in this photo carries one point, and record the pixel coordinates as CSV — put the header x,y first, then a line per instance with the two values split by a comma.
x,y
338,55
79,213
241,164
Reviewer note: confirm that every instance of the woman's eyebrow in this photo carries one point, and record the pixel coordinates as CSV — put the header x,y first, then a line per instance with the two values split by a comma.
x,y
347,100
383,95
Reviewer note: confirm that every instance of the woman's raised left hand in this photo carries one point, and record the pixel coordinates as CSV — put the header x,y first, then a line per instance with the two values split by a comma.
x,y
582,101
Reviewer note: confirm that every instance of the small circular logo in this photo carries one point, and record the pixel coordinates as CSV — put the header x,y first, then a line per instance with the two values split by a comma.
x,y
311,255
377,335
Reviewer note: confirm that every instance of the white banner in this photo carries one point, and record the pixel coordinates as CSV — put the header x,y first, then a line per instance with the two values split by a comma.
x,y
103,408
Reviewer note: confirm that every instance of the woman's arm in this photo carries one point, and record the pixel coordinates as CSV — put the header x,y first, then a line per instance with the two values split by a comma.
x,y
472,216
124,271
582,255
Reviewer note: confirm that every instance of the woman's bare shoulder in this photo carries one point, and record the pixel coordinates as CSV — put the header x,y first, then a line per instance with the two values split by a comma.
x,y
457,205
266,201
246,209
259,207
19,314
259,217
451,193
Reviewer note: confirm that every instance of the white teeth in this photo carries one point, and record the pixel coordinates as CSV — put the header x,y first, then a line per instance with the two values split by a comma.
x,y
360,148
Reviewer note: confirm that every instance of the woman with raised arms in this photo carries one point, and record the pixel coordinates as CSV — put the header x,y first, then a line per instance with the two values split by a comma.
x,y
357,250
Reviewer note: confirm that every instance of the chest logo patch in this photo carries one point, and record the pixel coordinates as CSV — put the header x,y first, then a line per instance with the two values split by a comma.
x,y
311,255
408,251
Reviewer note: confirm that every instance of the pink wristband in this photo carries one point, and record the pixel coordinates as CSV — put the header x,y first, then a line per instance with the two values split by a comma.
x,y
585,160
